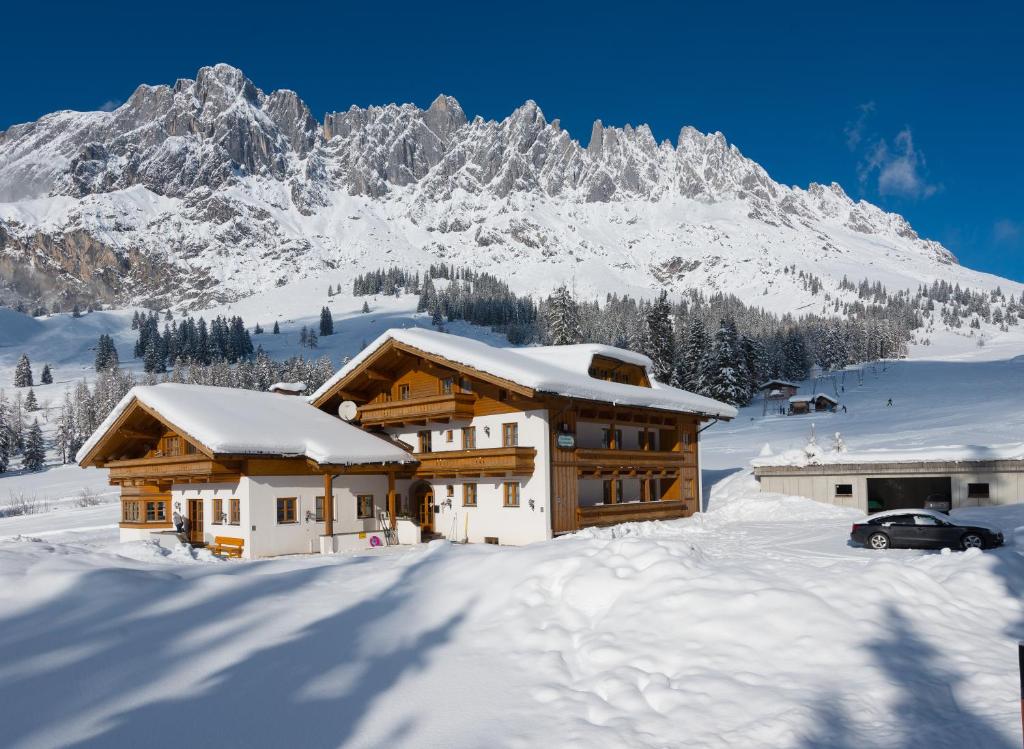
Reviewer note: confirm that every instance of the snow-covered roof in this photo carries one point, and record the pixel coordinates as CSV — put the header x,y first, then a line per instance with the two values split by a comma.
x,y
808,398
773,383
287,387
230,421
940,454
560,370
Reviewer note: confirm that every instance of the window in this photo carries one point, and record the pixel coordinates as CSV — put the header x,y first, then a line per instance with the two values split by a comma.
x,y
218,511
898,520
511,491
172,445
844,490
977,491
449,491
465,385
403,392
190,449
687,441
469,495
468,438
131,512
156,512
646,440
234,512
927,520
509,435
503,395
319,511
286,510
449,435
364,506
447,385
425,441
688,489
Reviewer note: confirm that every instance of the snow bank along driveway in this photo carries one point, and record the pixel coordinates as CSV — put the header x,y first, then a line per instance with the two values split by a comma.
x,y
740,630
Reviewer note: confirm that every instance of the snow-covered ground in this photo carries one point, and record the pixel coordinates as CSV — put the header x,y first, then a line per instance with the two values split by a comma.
x,y
754,625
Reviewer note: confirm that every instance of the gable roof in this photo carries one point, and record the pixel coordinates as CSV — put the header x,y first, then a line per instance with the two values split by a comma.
x,y
558,370
809,398
229,421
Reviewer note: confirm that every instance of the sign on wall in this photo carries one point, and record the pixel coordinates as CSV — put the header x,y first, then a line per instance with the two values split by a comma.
x,y
566,441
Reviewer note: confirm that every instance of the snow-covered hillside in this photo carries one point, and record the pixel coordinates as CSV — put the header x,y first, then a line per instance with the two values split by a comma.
x,y
211,190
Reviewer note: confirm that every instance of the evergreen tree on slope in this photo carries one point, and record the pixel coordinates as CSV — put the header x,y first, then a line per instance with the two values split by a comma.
x,y
34,456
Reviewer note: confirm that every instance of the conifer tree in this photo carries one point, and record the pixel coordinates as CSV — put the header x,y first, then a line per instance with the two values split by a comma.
x,y
692,363
6,439
46,378
34,456
659,338
563,318
727,375
326,322
23,373
65,435
31,404
366,307
277,329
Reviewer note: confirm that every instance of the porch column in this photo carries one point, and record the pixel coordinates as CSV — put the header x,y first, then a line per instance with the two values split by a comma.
x,y
391,500
328,504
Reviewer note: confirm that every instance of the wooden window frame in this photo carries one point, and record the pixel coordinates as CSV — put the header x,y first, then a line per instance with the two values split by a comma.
x,y
447,385
510,434
469,494
449,436
318,508
171,445
157,518
425,441
136,516
293,503
360,499
218,511
510,494
403,392
465,385
234,511
449,491
469,444
190,449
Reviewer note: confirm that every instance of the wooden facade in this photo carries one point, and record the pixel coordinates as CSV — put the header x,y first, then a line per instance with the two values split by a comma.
x,y
399,385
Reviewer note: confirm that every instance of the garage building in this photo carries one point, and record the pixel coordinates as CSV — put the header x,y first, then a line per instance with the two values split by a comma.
x,y
877,480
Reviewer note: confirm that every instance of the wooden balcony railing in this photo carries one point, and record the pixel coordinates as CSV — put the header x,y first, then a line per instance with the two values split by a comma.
x,y
630,512
588,458
495,461
418,410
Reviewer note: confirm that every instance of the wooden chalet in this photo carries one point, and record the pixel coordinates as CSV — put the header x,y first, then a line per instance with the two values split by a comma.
x,y
423,434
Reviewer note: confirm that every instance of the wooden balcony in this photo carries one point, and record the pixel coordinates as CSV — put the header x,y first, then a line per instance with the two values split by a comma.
x,y
418,410
634,462
176,469
633,512
495,461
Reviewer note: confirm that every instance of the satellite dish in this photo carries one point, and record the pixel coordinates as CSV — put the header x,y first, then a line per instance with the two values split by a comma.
x,y
347,410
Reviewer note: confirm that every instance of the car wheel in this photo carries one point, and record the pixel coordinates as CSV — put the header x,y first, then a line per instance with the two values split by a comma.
x,y
878,541
972,541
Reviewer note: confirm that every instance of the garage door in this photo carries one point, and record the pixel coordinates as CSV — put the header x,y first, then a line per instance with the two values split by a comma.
x,y
899,492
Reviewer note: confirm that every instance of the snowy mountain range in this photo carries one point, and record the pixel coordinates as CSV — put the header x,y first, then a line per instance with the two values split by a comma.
x,y
211,190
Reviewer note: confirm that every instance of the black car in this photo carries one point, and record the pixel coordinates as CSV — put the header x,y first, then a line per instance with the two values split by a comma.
x,y
921,529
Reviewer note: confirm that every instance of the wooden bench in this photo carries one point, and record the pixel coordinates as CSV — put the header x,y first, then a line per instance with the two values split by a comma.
x,y
228,546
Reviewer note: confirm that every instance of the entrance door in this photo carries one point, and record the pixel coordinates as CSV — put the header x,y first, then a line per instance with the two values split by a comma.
x,y
425,509
195,521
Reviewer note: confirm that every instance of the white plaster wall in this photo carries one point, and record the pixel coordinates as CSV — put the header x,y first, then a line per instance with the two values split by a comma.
x,y
268,538
181,493
511,525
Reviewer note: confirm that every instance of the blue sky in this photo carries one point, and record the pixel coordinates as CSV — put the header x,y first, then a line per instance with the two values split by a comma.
x,y
916,107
